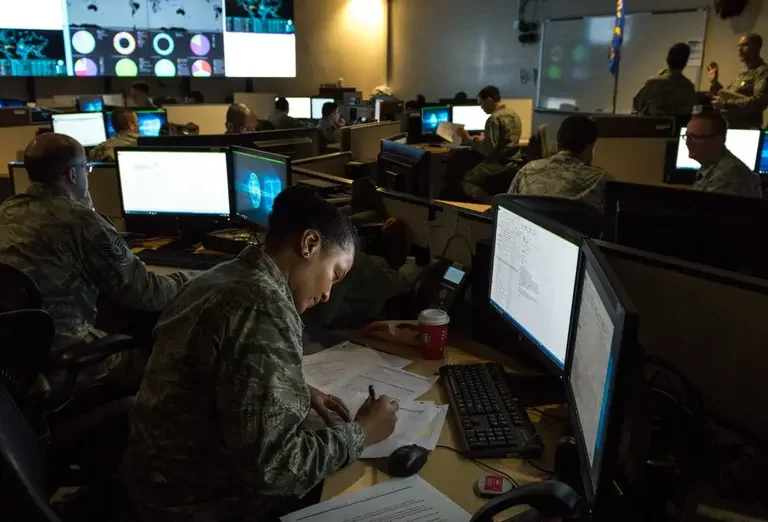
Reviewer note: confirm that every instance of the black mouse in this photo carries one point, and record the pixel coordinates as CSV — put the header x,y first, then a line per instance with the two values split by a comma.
x,y
407,460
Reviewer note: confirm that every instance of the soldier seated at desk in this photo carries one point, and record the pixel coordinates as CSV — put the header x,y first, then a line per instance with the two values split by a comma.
x,y
216,431
126,125
569,173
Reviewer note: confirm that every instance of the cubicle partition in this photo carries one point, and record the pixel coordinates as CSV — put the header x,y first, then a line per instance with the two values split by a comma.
x,y
13,142
210,117
261,103
334,164
364,141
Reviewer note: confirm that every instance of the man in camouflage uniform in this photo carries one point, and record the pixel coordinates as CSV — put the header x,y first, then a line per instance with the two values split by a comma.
x,y
721,171
752,83
126,125
569,173
670,93
70,251
499,145
331,123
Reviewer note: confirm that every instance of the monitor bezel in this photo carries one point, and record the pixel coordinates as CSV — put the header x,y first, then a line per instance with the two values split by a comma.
x,y
233,192
312,99
627,354
80,97
108,116
66,115
432,108
554,227
175,216
755,164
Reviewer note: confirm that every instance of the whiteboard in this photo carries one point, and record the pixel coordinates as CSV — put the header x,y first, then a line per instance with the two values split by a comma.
x,y
573,63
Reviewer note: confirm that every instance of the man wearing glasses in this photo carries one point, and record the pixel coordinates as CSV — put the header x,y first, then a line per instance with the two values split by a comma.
x,y
720,171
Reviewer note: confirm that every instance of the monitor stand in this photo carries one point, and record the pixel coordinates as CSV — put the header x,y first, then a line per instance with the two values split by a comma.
x,y
537,390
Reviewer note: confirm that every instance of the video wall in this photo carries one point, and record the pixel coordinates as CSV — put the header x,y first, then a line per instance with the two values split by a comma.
x,y
162,38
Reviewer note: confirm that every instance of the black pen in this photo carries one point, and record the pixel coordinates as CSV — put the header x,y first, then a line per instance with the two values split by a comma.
x,y
371,392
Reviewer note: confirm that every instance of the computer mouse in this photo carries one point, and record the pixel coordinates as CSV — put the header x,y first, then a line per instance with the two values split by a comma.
x,y
407,460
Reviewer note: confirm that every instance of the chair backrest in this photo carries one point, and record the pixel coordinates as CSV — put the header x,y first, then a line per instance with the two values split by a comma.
x,y
22,466
578,216
27,336
17,290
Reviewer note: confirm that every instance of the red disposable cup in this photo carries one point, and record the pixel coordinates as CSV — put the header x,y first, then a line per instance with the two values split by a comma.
x,y
433,333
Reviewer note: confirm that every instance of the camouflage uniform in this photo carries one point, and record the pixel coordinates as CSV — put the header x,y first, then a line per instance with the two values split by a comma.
x,y
282,121
215,431
500,146
563,176
747,113
668,94
329,131
729,176
106,151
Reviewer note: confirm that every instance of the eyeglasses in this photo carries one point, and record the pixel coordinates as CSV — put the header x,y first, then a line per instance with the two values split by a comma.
x,y
697,137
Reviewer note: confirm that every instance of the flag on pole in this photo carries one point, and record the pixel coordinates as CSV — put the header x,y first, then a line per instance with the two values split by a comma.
x,y
618,37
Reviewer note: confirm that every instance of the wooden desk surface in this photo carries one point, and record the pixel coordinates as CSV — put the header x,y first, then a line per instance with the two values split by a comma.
x,y
477,207
446,470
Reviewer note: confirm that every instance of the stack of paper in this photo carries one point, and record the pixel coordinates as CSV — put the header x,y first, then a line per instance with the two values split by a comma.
x,y
417,423
343,360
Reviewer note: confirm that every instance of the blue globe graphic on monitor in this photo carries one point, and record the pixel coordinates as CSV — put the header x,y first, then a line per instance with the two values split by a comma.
x,y
272,187
254,190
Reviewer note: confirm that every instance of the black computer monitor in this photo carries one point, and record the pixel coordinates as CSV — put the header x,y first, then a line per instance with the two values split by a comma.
x,y
534,268
431,118
762,158
150,121
603,364
86,127
90,103
258,178
404,168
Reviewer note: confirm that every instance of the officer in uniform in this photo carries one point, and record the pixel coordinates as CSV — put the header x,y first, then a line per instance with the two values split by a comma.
x,y
569,173
499,145
126,125
331,122
745,111
280,118
670,93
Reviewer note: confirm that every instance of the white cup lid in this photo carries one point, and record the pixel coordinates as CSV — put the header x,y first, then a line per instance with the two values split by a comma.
x,y
434,317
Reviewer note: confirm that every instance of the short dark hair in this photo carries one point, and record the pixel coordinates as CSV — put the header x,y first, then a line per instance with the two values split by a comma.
x,y
197,96
461,96
677,57
329,108
48,156
718,121
281,104
576,133
141,87
755,40
121,118
297,209
490,92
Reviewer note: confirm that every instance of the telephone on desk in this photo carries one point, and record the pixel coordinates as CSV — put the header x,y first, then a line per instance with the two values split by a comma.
x,y
441,284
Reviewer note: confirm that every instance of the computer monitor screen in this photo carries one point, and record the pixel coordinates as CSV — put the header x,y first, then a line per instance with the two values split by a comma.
x,y
85,127
180,182
431,118
90,103
113,100
743,143
762,160
259,177
150,122
473,117
317,106
299,107
533,277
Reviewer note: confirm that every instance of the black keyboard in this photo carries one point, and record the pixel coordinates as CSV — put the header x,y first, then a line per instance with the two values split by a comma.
x,y
492,423
183,259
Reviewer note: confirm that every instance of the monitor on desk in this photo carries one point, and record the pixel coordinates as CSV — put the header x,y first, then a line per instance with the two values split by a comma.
x,y
150,121
404,168
299,107
85,127
174,182
603,364
317,107
473,117
113,100
258,178
431,118
90,103
762,159
743,143
534,268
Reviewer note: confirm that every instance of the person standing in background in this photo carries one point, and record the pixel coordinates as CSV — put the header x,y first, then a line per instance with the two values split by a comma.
x,y
140,95
670,93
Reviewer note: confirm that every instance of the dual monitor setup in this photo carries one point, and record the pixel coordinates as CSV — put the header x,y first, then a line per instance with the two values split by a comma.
x,y
473,117
198,183
556,288
306,108
749,145
92,128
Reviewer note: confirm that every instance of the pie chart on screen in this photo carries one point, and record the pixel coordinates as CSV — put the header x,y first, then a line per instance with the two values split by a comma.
x,y
83,42
201,69
86,67
200,45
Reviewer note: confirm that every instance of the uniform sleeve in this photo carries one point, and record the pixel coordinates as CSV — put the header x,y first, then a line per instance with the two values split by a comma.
x,y
731,183
263,398
514,187
640,100
118,273
759,99
490,141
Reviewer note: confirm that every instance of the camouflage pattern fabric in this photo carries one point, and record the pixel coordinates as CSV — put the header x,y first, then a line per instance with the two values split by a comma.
x,y
747,112
216,429
282,121
729,176
106,151
501,137
329,131
668,94
563,176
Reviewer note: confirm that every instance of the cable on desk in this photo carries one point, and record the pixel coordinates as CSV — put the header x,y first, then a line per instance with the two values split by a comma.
x,y
543,470
545,414
482,464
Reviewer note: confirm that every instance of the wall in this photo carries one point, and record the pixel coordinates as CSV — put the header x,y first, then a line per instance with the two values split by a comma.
x,y
440,47
334,38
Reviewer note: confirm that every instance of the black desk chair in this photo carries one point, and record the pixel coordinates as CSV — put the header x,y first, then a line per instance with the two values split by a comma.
x,y
578,216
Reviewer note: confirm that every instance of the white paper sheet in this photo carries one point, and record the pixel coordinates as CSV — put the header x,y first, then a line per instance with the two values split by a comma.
x,y
412,419
341,362
403,500
429,434
449,131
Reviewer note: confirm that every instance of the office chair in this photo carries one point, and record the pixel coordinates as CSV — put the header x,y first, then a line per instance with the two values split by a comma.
x,y
579,216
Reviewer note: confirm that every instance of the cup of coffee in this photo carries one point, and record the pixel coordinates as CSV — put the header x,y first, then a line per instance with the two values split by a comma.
x,y
433,333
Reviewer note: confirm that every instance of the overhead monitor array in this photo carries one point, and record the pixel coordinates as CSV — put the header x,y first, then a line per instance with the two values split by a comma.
x,y
161,38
